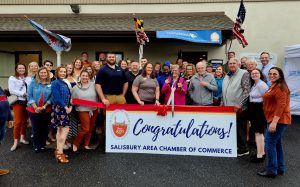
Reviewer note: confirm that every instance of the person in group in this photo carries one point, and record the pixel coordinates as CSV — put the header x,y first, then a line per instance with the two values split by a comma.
x,y
230,54
85,59
190,70
5,116
164,75
61,109
70,75
145,87
111,83
85,90
266,66
91,71
77,65
157,67
256,114
235,90
123,65
219,77
102,58
131,76
176,83
39,100
251,64
32,69
277,112
202,85
128,60
143,61
97,66
243,62
184,64
209,69
49,65
17,86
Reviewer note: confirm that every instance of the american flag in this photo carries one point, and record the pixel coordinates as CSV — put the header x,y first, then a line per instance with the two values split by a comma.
x,y
238,25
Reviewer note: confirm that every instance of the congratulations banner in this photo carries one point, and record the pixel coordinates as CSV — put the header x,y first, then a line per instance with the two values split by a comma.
x,y
203,131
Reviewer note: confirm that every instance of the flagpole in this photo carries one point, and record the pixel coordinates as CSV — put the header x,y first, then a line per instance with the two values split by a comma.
x,y
58,58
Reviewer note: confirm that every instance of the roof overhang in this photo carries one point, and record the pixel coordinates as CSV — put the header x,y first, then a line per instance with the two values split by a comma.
x,y
104,26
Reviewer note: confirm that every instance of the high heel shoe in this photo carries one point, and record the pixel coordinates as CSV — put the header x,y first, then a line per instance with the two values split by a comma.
x,y
55,153
61,158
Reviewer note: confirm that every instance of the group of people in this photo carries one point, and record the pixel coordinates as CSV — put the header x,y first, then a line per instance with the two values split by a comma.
x,y
260,97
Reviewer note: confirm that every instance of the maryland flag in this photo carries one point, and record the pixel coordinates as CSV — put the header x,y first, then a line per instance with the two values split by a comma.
x,y
141,36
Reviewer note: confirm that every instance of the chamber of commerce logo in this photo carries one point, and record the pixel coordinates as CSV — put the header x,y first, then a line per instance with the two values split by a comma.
x,y
215,37
119,123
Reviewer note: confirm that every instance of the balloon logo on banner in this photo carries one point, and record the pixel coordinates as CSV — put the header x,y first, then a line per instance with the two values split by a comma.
x,y
120,123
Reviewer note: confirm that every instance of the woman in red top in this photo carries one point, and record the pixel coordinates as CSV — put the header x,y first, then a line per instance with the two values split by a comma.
x,y
278,115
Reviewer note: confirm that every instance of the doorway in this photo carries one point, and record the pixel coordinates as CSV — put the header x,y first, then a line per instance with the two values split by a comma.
x,y
193,57
28,56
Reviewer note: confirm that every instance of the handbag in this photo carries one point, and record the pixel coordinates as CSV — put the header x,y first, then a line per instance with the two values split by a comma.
x,y
12,99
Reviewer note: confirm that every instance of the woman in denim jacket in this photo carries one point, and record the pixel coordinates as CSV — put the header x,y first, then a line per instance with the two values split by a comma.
x,y
38,106
61,108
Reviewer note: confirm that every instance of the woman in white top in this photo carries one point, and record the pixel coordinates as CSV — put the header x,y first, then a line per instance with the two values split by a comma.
x,y
17,86
256,113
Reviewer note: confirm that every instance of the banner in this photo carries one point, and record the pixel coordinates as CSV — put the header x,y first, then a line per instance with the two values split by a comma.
x,y
201,36
201,131
292,76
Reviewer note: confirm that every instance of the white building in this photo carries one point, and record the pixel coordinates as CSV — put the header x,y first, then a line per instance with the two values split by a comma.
x,y
107,25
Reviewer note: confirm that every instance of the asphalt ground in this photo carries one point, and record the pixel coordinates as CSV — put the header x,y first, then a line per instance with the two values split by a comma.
x,y
96,168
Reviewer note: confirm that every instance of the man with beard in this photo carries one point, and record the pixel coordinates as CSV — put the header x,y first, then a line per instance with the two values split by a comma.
x,y
111,82
130,76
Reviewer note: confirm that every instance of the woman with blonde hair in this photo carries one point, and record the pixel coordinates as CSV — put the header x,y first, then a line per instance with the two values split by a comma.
x,y
38,106
33,68
77,65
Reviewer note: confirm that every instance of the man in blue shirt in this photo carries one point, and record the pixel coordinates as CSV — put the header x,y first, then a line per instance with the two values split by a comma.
x,y
111,82
266,66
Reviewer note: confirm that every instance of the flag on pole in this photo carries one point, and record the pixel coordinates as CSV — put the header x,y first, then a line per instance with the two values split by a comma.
x,y
57,42
238,25
141,36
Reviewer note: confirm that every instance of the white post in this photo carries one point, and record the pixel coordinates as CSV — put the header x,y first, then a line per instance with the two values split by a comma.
x,y
58,58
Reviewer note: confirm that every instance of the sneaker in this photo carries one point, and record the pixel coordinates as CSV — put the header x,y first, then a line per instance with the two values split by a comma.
x,y
242,152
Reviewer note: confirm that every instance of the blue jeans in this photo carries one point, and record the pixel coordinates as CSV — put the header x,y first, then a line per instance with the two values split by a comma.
x,y
2,130
40,124
274,149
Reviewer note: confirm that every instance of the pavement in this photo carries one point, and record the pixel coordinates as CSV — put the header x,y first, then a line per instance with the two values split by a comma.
x,y
97,168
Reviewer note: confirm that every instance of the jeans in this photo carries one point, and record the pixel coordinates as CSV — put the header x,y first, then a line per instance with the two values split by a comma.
x,y
274,149
2,130
40,123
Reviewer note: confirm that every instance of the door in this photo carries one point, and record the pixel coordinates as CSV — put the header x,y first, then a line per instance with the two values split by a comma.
x,y
194,57
29,56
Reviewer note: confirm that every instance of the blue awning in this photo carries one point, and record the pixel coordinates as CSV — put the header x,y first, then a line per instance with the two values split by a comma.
x,y
200,36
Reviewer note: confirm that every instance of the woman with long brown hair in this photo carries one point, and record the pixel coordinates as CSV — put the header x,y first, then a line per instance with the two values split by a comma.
x,y
278,115
17,86
77,65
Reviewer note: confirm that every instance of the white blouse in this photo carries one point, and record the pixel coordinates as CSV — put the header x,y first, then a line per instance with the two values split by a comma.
x,y
17,87
257,92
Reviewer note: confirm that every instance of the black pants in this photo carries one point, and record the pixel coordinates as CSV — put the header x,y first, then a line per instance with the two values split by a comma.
x,y
241,127
40,124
